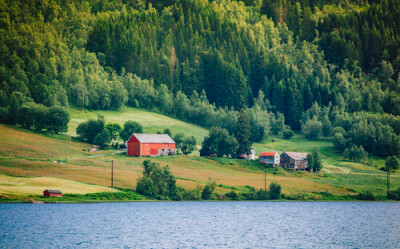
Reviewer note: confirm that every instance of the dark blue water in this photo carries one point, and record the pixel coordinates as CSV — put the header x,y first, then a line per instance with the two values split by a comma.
x,y
201,225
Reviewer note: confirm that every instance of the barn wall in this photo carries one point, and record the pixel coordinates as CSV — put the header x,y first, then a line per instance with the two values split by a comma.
x,y
152,149
133,148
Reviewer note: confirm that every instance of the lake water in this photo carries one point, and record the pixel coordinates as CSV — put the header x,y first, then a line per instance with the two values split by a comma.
x,y
201,225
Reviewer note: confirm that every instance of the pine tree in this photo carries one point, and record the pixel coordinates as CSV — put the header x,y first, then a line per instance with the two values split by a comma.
x,y
243,133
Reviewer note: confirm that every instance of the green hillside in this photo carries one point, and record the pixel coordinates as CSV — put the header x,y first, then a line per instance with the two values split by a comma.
x,y
327,72
29,154
152,122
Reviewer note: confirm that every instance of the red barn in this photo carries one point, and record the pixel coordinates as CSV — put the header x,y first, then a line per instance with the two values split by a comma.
x,y
140,144
52,192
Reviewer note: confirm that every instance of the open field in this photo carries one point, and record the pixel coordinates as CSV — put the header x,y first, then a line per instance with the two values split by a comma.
x,y
152,122
22,186
25,153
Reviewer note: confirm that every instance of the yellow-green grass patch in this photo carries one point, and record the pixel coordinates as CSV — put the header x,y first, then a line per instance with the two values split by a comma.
x,y
25,186
152,122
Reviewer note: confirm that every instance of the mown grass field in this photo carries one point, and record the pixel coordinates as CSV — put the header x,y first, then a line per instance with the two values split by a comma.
x,y
20,186
30,154
152,122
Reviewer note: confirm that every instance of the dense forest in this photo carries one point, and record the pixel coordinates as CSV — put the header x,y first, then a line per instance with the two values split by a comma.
x,y
323,68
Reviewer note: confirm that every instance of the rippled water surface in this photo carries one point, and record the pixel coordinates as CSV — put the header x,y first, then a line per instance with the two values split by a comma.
x,y
201,225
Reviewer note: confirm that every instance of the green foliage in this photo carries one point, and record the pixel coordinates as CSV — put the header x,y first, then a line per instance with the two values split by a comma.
x,y
287,133
394,194
232,195
114,130
314,160
188,145
242,133
356,153
88,130
339,142
312,129
102,139
208,190
130,127
57,119
219,142
158,182
366,196
178,138
274,191
276,59
123,195
391,163
145,186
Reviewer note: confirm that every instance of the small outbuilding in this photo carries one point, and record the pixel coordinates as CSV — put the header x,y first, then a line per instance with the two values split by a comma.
x,y
141,144
52,192
269,157
294,160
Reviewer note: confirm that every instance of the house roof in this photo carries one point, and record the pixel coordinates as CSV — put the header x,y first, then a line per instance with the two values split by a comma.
x,y
297,155
268,153
54,191
154,138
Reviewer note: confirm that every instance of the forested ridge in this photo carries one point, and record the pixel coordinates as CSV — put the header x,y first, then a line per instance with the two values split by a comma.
x,y
325,68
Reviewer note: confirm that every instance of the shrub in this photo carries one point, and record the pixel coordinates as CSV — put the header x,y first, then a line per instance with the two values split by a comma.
x,y
88,130
394,194
193,194
366,196
232,195
145,186
274,191
287,133
102,139
130,127
208,190
263,194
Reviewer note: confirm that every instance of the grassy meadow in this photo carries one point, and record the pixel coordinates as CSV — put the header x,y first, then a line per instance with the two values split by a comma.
x,y
152,122
20,186
26,156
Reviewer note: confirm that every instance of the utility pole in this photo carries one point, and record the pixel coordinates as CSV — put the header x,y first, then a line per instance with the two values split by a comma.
x,y
112,173
83,101
388,180
351,165
265,180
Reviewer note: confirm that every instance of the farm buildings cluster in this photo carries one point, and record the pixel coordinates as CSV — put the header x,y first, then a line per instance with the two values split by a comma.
x,y
288,160
140,144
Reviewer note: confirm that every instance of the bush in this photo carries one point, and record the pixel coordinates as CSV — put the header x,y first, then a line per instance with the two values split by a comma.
x,y
274,191
287,133
208,191
193,194
366,196
102,139
312,129
263,194
57,119
145,186
232,195
293,197
130,127
394,194
90,129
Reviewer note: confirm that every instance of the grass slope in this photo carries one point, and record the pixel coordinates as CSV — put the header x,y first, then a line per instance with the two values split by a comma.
x,y
22,186
25,153
152,122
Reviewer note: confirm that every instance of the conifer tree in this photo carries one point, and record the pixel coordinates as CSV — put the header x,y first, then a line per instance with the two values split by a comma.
x,y
243,133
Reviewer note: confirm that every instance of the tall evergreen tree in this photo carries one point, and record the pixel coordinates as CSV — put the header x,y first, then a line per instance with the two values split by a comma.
x,y
243,133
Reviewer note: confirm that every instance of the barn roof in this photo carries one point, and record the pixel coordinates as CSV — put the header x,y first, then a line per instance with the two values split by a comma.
x,y
54,191
154,138
268,153
297,155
